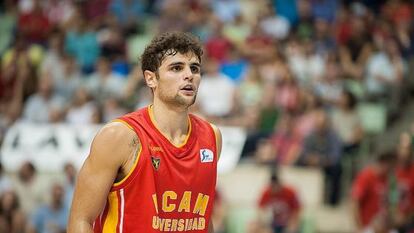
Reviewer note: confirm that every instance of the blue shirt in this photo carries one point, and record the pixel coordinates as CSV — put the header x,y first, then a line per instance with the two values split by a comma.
x,y
46,220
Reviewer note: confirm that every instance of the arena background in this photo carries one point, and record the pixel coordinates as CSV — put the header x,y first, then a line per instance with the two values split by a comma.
x,y
276,75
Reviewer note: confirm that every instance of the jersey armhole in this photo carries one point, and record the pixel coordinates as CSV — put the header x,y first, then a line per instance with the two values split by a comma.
x,y
216,132
123,182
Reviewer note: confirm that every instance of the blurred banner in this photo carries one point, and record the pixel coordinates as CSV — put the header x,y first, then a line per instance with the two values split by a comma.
x,y
49,147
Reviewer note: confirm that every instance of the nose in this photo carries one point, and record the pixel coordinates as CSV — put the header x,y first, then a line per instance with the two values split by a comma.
x,y
188,74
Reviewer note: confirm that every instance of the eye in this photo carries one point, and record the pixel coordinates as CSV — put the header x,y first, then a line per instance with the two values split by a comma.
x,y
176,68
195,69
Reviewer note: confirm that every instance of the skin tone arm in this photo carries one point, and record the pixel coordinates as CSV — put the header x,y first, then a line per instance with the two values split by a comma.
x,y
111,150
219,144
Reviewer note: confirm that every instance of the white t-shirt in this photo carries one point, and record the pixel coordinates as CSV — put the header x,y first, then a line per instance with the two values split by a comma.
x,y
215,95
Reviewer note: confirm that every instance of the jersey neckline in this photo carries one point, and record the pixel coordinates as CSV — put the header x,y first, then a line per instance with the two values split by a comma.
x,y
150,116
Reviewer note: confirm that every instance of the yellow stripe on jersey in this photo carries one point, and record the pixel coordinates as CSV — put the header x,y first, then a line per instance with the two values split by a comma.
x,y
123,122
111,220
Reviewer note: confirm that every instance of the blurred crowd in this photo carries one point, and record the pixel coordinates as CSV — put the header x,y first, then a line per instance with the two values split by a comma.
x,y
293,73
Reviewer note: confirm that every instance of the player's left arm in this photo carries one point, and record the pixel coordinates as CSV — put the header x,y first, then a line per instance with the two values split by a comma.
x,y
217,133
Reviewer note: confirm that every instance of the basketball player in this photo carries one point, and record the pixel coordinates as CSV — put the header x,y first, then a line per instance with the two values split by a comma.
x,y
153,170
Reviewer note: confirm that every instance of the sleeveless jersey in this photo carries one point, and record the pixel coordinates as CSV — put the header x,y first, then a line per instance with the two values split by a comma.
x,y
170,188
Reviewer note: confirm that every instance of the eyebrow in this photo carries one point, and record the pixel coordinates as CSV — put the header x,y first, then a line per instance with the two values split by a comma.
x,y
182,63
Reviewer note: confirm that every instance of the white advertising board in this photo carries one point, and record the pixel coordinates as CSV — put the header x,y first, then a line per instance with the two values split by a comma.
x,y
49,147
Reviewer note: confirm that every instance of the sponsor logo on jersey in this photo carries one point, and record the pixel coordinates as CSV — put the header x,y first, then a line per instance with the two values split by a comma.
x,y
156,149
206,156
155,162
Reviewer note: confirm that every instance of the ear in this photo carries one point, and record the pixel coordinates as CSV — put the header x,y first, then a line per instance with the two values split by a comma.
x,y
150,79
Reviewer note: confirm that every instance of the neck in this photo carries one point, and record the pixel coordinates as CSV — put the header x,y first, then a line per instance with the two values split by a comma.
x,y
171,121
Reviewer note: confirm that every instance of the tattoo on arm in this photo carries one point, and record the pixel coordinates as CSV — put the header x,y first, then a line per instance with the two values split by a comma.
x,y
135,144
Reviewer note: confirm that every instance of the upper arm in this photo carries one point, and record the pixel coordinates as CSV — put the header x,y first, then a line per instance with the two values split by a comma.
x,y
110,149
217,133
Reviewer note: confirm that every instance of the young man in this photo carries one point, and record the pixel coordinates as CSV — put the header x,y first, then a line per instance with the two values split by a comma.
x,y
370,192
153,170
283,203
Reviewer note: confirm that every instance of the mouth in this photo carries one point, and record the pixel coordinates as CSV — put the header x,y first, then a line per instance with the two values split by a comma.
x,y
188,89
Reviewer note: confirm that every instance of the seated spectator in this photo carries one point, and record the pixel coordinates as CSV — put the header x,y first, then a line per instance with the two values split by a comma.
x,y
35,25
51,217
283,203
323,149
82,43
104,83
370,191
44,106
330,85
28,182
385,72
283,147
83,110
216,92
346,122
287,93
12,218
250,91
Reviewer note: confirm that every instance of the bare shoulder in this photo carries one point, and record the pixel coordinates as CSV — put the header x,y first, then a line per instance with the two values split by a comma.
x,y
115,138
217,132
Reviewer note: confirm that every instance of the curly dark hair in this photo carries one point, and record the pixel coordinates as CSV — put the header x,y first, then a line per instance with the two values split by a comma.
x,y
169,43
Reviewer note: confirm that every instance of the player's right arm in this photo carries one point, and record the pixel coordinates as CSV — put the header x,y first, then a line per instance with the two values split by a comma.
x,y
110,151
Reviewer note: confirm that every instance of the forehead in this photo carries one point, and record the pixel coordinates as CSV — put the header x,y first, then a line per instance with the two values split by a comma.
x,y
189,57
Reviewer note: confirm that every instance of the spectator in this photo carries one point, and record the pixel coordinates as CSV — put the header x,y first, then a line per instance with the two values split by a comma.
x,y
355,52
216,93
26,183
82,43
330,85
306,65
34,25
405,184
104,83
83,109
127,12
8,22
346,122
274,25
45,105
385,73
283,203
370,191
284,146
51,217
70,79
323,149
12,219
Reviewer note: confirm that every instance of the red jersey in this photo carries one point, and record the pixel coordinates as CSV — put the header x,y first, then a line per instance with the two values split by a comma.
x,y
370,191
170,188
283,203
405,180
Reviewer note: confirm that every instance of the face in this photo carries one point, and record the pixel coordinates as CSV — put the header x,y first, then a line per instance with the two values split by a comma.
x,y
176,81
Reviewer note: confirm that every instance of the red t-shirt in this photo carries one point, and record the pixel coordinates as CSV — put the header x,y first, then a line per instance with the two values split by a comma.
x,y
369,190
170,188
405,180
34,26
283,203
